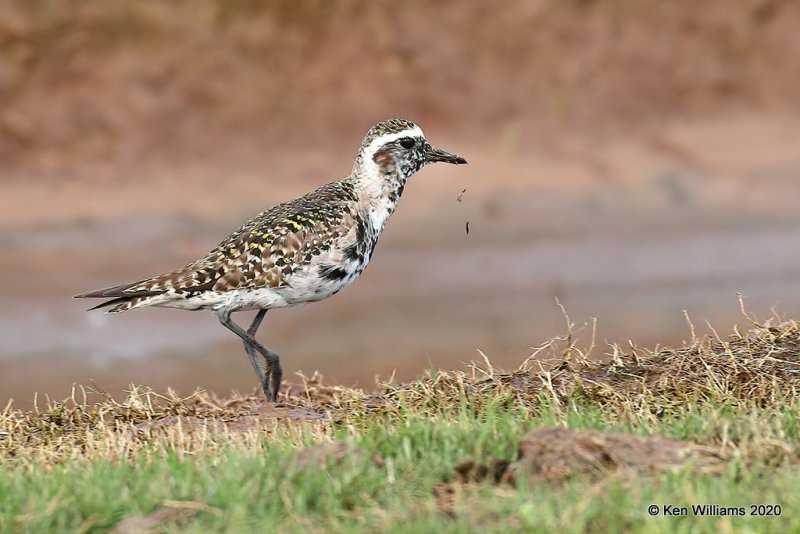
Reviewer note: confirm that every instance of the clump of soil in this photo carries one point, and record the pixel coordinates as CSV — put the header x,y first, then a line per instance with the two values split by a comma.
x,y
172,515
258,417
558,454
334,453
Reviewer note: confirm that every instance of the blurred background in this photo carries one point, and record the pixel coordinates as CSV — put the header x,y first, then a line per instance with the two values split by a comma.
x,y
632,159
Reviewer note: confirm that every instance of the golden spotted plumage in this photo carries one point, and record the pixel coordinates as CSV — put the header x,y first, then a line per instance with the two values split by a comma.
x,y
303,250
263,253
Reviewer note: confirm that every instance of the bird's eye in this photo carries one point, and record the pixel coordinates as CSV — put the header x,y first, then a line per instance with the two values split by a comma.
x,y
407,142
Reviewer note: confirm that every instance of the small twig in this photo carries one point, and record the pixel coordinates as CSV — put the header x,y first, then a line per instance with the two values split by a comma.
x,y
747,316
691,326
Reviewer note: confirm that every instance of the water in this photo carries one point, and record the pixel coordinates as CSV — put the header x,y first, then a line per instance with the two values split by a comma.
x,y
418,305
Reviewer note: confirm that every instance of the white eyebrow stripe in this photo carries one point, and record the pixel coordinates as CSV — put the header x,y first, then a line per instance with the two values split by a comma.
x,y
416,131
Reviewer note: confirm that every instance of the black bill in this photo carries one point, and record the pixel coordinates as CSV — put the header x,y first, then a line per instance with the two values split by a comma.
x,y
434,155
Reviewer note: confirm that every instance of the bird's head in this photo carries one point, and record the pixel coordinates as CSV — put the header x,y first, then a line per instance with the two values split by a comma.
x,y
397,148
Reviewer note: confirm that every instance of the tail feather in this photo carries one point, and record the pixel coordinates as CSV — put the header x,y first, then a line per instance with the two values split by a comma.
x,y
121,298
125,304
118,292
107,303
189,279
120,304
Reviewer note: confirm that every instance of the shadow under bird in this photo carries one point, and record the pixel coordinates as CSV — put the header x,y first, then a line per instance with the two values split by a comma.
x,y
303,250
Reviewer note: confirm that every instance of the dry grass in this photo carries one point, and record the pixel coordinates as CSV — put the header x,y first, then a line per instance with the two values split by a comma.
x,y
754,369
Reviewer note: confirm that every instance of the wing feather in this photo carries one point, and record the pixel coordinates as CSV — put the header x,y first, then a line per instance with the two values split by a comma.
x,y
262,253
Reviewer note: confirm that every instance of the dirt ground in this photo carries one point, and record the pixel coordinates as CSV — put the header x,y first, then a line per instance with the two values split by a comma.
x,y
757,365
96,83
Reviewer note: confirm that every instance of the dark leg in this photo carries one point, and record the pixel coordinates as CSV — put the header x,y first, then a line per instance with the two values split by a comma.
x,y
272,359
255,359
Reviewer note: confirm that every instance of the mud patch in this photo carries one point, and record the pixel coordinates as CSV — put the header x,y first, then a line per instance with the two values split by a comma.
x,y
172,515
556,455
332,454
239,424
145,417
260,417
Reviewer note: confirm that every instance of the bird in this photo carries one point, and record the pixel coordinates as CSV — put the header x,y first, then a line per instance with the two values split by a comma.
x,y
299,251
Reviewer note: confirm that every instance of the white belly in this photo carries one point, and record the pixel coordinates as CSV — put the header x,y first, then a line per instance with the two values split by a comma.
x,y
235,300
302,289
304,285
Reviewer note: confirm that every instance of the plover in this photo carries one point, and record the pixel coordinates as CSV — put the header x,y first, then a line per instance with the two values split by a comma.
x,y
303,250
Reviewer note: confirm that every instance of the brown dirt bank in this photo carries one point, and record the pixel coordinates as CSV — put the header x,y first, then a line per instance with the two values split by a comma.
x,y
89,82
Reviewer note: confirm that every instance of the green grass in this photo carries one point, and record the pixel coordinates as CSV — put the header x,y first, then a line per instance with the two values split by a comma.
x,y
248,491
82,466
